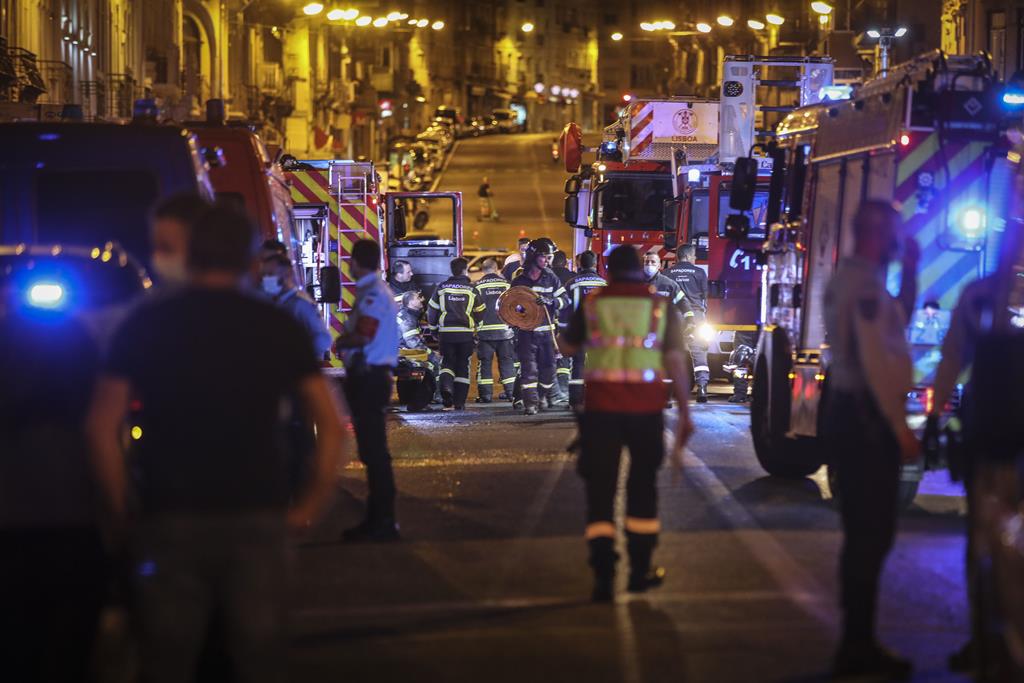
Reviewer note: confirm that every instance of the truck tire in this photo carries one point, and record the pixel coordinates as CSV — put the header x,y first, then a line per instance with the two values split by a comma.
x,y
779,455
415,395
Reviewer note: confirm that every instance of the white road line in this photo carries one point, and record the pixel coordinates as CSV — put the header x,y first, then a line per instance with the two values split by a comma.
x,y
444,167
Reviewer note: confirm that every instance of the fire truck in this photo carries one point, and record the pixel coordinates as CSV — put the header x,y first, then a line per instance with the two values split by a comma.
x,y
663,176
338,202
928,138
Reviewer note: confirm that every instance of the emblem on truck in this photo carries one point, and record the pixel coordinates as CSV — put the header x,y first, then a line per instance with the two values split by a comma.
x,y
685,121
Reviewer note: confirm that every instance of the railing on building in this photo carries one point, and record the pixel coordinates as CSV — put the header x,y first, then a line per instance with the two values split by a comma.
x,y
121,92
27,84
59,81
94,99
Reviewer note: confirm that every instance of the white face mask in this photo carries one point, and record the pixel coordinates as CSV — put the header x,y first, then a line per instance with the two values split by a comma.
x,y
650,270
170,270
271,284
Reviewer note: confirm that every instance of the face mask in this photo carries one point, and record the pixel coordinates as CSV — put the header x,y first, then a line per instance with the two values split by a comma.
x,y
170,269
650,271
271,284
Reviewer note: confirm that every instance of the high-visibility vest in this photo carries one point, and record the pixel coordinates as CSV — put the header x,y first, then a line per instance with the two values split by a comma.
x,y
624,370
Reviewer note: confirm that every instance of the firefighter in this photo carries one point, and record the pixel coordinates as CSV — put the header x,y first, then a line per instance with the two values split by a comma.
x,y
514,261
740,366
693,282
559,394
578,286
494,337
634,341
864,424
400,281
409,317
455,308
535,348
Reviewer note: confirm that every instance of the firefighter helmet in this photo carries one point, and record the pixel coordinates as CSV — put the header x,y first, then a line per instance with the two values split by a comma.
x,y
742,356
538,247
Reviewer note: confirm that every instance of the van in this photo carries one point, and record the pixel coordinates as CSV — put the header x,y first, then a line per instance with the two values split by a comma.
x,y
507,119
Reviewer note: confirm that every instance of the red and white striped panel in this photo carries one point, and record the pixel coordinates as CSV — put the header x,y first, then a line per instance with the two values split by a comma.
x,y
641,131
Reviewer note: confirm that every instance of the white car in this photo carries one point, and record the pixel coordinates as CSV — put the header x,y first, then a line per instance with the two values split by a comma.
x,y
476,258
507,120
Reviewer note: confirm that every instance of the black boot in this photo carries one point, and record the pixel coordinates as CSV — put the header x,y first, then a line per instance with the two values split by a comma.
x,y
702,392
602,560
739,391
641,574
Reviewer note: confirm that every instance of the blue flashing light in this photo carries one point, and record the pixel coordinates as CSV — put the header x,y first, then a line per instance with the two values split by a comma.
x,y
1012,98
609,146
971,222
46,295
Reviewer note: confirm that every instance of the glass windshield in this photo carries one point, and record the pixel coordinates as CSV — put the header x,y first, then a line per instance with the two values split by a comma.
x,y
757,214
634,202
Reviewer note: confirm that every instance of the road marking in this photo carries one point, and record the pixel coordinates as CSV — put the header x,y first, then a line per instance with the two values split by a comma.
x,y
787,573
444,167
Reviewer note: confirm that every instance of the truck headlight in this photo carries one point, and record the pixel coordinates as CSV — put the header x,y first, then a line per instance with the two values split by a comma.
x,y
706,332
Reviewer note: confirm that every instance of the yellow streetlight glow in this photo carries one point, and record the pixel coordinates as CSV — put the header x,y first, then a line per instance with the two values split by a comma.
x,y
402,16
350,14
313,9
703,27
725,20
380,22
437,25
364,20
823,19
394,16
774,19
668,25
423,23
821,7
527,27
616,36
335,15
647,26
755,24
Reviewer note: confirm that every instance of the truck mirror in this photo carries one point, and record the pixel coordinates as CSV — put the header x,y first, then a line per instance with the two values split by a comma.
x,y
669,217
744,182
776,185
572,184
420,220
572,208
330,285
398,227
737,227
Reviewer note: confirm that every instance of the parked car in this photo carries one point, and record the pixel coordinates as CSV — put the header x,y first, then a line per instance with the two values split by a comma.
x,y
476,258
507,120
484,125
434,144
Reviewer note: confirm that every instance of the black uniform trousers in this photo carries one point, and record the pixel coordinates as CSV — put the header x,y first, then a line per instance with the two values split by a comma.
x,y
486,350
368,394
456,352
576,381
536,353
867,456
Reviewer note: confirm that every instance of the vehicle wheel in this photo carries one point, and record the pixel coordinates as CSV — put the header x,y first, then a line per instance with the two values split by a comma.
x,y
420,394
405,391
779,455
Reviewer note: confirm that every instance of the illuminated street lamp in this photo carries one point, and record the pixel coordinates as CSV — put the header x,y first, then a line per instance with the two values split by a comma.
x,y
422,23
394,16
725,20
380,22
885,37
350,14
538,87
313,9
647,26
527,27
556,90
821,7
335,15
667,25
755,24
616,36
774,19
437,25
364,20
703,27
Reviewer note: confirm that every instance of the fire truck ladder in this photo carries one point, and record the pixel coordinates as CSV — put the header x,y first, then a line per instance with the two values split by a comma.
x,y
350,185
741,108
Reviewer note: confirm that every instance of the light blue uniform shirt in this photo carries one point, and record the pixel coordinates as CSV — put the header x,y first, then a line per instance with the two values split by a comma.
x,y
374,300
305,311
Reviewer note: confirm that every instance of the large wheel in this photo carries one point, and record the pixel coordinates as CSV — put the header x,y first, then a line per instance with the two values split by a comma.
x,y
779,455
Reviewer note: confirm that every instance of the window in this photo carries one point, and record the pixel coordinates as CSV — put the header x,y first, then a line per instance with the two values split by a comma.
x,y
758,214
633,202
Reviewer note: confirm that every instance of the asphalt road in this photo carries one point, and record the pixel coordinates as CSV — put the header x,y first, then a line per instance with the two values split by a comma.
x,y
527,189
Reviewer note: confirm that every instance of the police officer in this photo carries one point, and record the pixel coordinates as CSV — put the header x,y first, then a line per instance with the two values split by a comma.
x,y
634,341
864,423
693,282
368,346
579,285
536,348
454,311
494,336
401,280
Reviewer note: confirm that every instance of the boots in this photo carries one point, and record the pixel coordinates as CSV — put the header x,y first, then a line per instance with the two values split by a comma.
x,y
602,560
641,574
702,392
739,391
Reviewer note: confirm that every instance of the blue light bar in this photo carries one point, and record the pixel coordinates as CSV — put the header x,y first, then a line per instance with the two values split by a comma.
x,y
46,295
1013,99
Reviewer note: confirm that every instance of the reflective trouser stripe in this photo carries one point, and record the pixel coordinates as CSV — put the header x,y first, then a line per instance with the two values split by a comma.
x,y
564,371
485,382
600,530
575,381
546,386
411,333
530,385
701,368
508,380
448,371
462,380
640,525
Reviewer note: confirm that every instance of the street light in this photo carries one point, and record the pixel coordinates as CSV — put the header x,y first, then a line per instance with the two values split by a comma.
x,y
380,22
335,15
821,7
527,27
823,19
437,25
774,19
647,26
703,27
364,20
556,90
574,93
885,37
394,16
313,9
667,25
616,36
755,24
725,20
900,32
422,23
350,14
538,87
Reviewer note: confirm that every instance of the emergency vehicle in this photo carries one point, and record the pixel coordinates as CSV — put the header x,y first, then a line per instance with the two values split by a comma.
x,y
663,175
927,136
338,202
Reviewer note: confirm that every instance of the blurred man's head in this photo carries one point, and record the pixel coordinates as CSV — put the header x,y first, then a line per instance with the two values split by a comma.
x,y
172,224
624,263
489,266
559,260
877,232
413,300
687,253
652,264
587,260
458,266
524,242
271,248
402,271
275,274
222,245
365,258
931,308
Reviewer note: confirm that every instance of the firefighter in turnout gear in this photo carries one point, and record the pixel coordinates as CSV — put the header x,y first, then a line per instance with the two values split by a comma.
x,y
409,317
455,308
864,423
494,337
578,286
401,281
535,348
693,282
559,394
634,341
